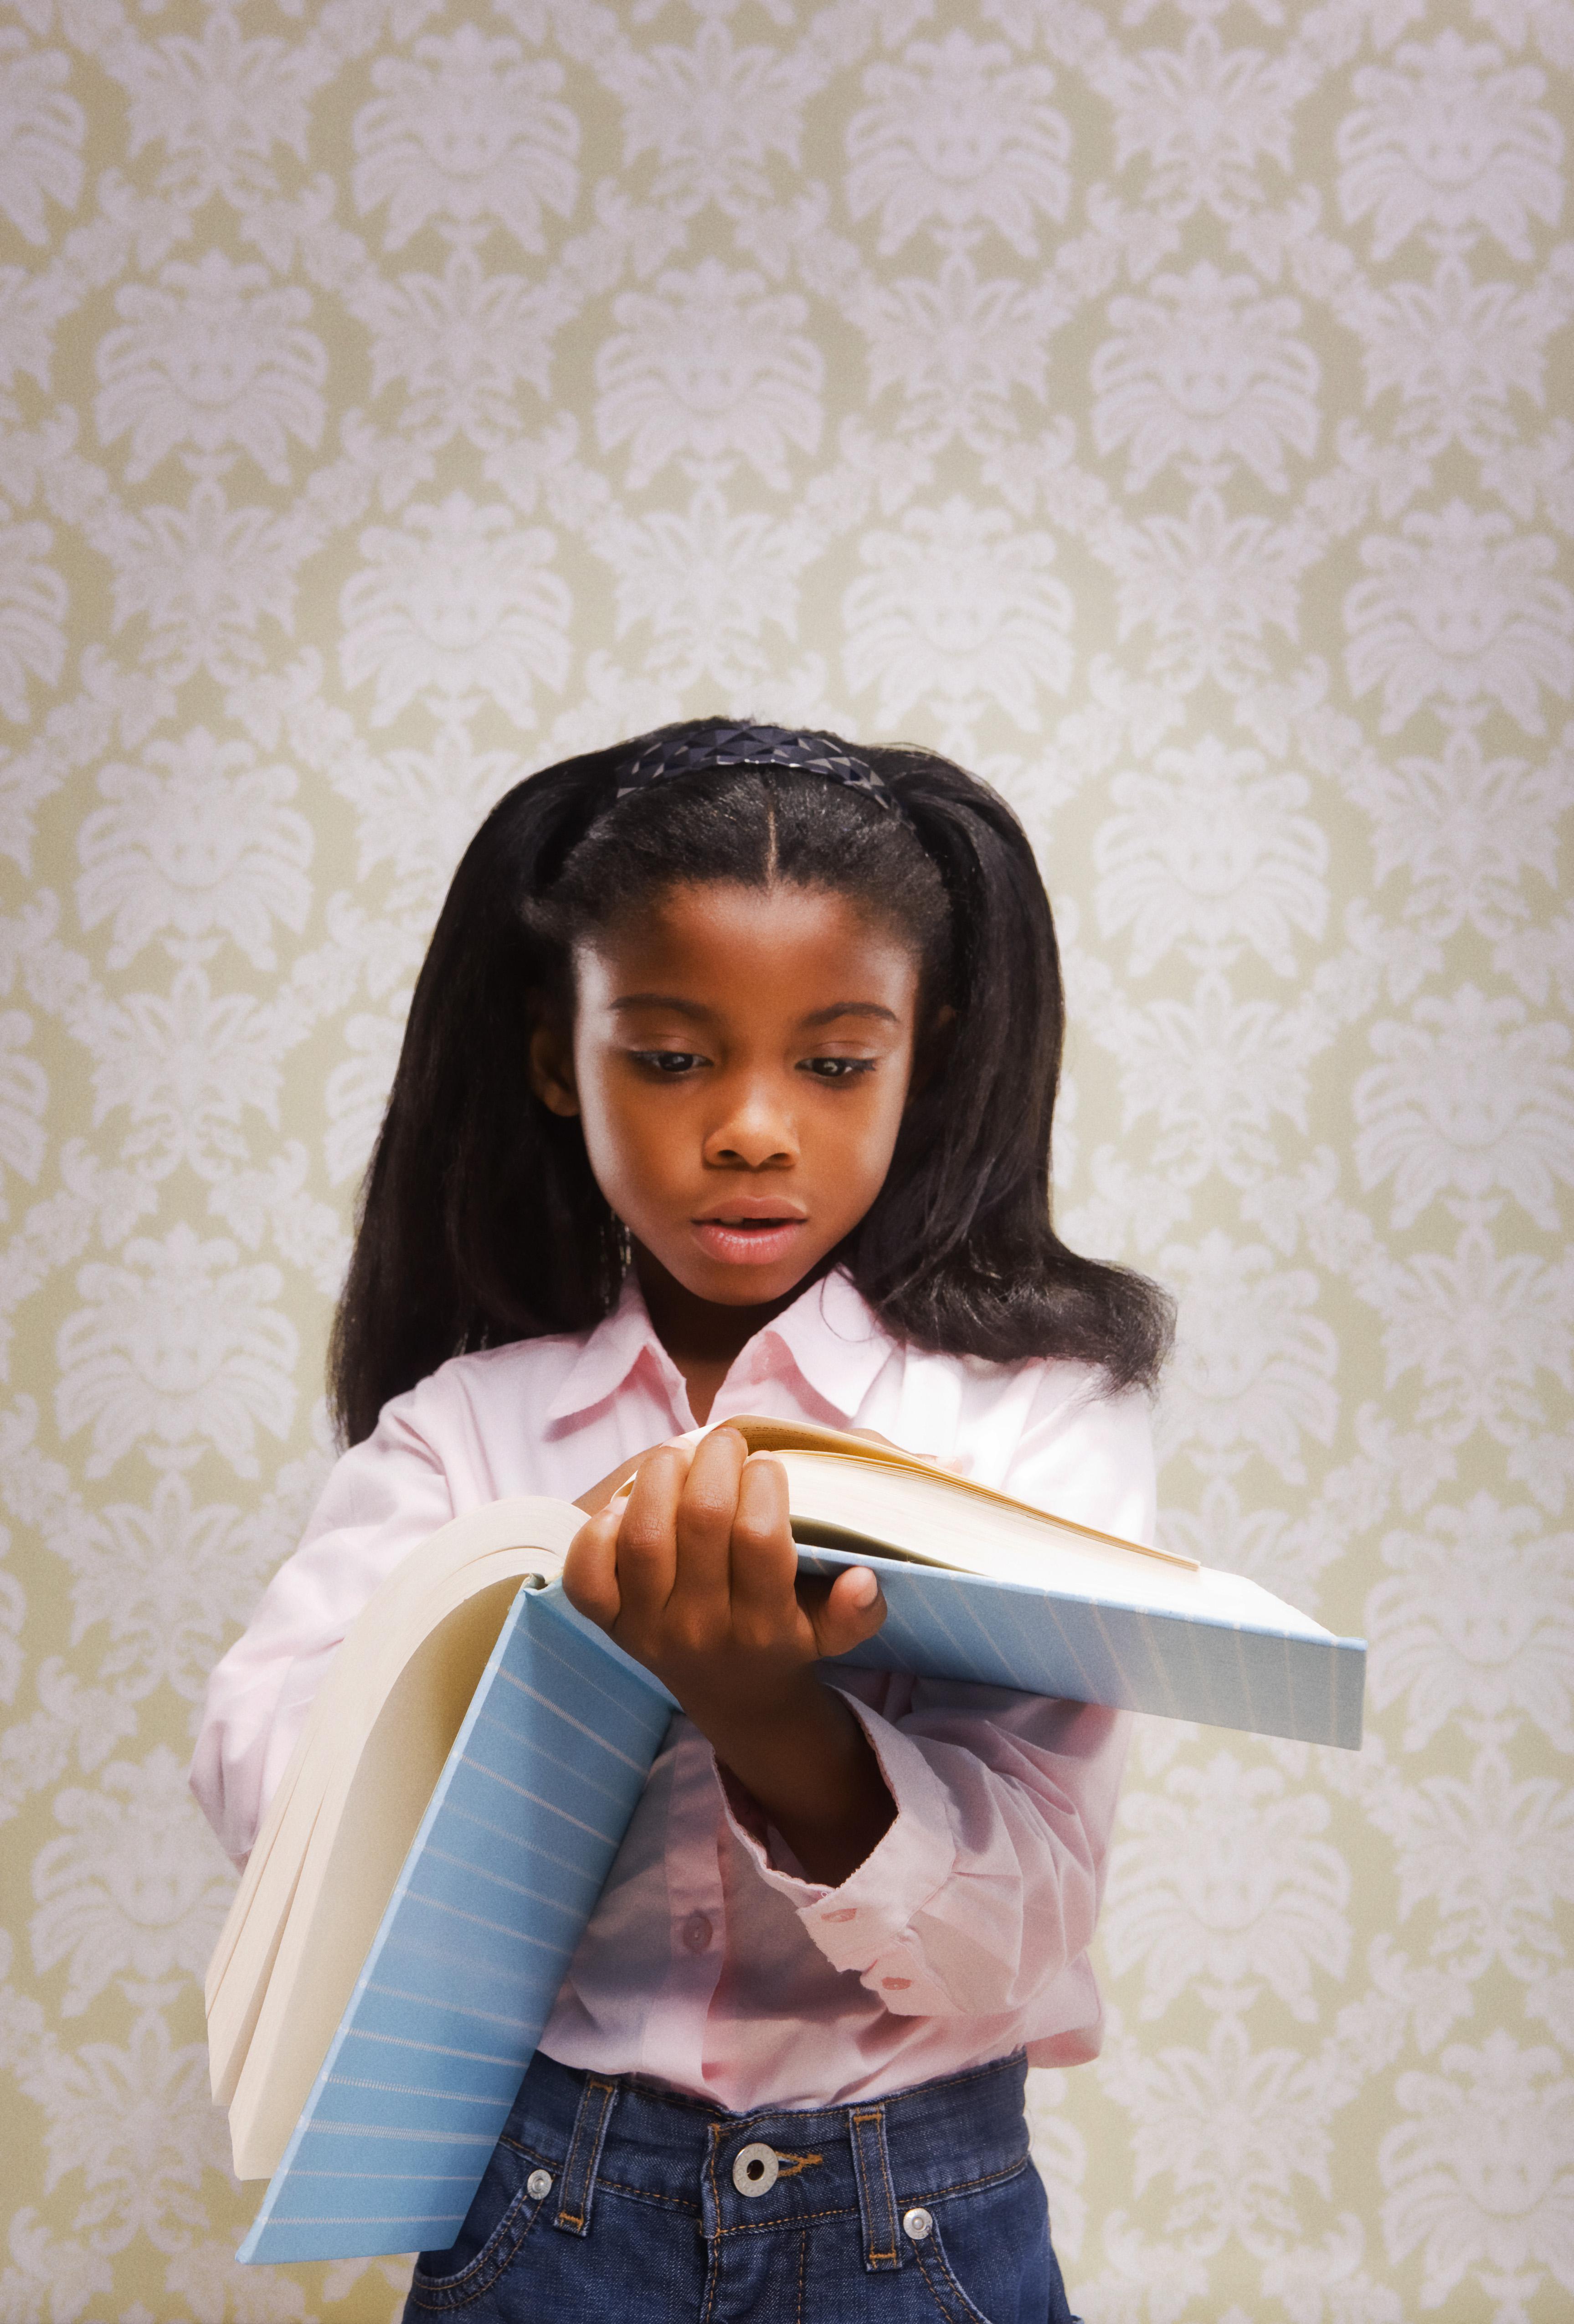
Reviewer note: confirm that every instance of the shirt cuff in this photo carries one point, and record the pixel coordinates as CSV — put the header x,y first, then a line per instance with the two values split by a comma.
x,y
864,1926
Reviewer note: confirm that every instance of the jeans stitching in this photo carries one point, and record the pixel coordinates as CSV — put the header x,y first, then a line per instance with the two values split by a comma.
x,y
491,2257
961,2310
970,2309
531,2153
646,2194
866,2126
796,2219
714,2255
575,2220
984,2178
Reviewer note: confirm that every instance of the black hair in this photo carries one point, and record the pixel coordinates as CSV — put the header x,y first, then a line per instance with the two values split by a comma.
x,y
480,1220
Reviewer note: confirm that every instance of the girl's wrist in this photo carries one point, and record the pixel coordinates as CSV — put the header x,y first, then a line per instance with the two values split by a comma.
x,y
808,1767
764,1721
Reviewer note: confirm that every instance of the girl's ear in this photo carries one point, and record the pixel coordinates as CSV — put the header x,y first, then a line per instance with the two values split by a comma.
x,y
551,1067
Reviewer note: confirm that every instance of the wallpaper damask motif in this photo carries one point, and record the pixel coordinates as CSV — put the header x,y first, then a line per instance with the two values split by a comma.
x,y
1164,407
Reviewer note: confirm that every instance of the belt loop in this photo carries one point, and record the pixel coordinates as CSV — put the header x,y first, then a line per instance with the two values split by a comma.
x,y
877,2201
577,2191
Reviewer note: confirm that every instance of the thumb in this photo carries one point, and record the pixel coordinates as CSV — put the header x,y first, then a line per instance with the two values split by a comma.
x,y
850,1611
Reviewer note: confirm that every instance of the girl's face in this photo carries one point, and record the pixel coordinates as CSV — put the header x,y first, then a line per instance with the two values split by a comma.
x,y
740,1061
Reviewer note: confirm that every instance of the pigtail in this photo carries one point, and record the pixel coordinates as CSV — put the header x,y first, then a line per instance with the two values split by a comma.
x,y
480,1220
959,1252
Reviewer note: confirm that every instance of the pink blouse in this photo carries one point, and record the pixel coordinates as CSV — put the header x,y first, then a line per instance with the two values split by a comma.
x,y
711,1963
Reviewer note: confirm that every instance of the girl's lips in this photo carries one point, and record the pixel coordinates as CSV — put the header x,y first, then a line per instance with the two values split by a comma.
x,y
748,1244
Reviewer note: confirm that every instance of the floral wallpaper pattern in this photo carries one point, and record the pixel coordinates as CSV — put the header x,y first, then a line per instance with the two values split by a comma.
x,y
1164,405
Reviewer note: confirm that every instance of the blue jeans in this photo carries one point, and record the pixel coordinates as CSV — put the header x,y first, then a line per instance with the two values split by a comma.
x,y
608,2202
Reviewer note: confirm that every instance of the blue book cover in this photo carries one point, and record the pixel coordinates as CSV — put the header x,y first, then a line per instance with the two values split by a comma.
x,y
498,1886
1251,1674
532,1805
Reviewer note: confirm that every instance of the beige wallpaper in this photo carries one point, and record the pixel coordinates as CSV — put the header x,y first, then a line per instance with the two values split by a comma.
x,y
1164,407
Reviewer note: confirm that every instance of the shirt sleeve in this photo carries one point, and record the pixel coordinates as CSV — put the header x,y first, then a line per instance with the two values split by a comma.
x,y
383,1498
986,1886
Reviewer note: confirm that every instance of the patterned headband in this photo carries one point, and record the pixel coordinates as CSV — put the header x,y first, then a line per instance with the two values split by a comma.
x,y
757,746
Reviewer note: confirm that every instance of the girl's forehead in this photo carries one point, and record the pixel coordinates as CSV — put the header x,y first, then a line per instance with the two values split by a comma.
x,y
723,940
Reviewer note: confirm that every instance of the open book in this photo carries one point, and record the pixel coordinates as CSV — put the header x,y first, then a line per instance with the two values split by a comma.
x,y
472,1761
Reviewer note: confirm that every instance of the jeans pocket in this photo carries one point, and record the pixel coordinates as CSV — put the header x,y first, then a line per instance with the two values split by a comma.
x,y
987,2258
496,2224
949,2299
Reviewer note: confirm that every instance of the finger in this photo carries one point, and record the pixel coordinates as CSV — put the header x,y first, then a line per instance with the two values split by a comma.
x,y
764,1554
647,1534
590,1571
706,1517
850,1611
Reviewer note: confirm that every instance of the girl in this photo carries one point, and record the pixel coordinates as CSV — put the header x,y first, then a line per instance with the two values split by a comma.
x,y
727,1088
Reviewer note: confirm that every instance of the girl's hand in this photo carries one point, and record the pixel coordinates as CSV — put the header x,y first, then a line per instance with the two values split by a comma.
x,y
694,1575
695,1572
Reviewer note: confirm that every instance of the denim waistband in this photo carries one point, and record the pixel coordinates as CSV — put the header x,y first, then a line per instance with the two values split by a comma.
x,y
776,2167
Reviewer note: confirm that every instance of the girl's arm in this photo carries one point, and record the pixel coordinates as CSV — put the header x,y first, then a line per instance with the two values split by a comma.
x,y
982,1896
695,1576
383,1498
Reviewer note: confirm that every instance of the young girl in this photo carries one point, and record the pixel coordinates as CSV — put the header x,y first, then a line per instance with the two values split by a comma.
x,y
727,1088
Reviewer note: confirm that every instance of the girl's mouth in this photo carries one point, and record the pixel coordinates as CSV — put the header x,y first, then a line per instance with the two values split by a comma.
x,y
748,1242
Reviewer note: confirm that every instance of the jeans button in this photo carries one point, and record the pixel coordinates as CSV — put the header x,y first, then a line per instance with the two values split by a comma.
x,y
538,2186
916,2223
756,2169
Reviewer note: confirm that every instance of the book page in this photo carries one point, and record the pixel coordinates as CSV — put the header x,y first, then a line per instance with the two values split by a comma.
x,y
780,1436
413,1597
503,1541
839,1501
329,1935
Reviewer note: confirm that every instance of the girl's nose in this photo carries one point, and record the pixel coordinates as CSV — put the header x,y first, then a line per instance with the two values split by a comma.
x,y
755,1133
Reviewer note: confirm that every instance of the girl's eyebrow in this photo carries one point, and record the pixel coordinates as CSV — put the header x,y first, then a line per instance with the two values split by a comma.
x,y
698,1009
662,1000
850,1009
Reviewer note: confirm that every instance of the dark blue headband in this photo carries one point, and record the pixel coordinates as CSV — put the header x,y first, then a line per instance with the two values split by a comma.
x,y
756,746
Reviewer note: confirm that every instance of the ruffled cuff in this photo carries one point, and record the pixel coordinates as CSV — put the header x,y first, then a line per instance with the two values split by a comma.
x,y
865,1925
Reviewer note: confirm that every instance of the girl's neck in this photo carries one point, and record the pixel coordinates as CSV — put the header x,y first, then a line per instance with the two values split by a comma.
x,y
703,1338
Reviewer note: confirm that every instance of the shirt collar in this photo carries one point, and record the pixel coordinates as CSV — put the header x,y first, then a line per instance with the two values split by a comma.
x,y
830,1333
834,1340
611,1353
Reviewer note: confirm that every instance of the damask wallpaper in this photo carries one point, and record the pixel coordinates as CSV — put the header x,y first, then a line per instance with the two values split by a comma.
x,y
1164,406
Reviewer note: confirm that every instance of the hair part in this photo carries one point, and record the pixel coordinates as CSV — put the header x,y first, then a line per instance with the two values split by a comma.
x,y
481,1222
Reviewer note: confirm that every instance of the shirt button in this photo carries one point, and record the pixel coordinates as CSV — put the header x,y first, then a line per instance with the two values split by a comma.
x,y
696,1932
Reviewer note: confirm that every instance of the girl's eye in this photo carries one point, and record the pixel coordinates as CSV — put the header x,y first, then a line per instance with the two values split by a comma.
x,y
839,1069
668,1062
